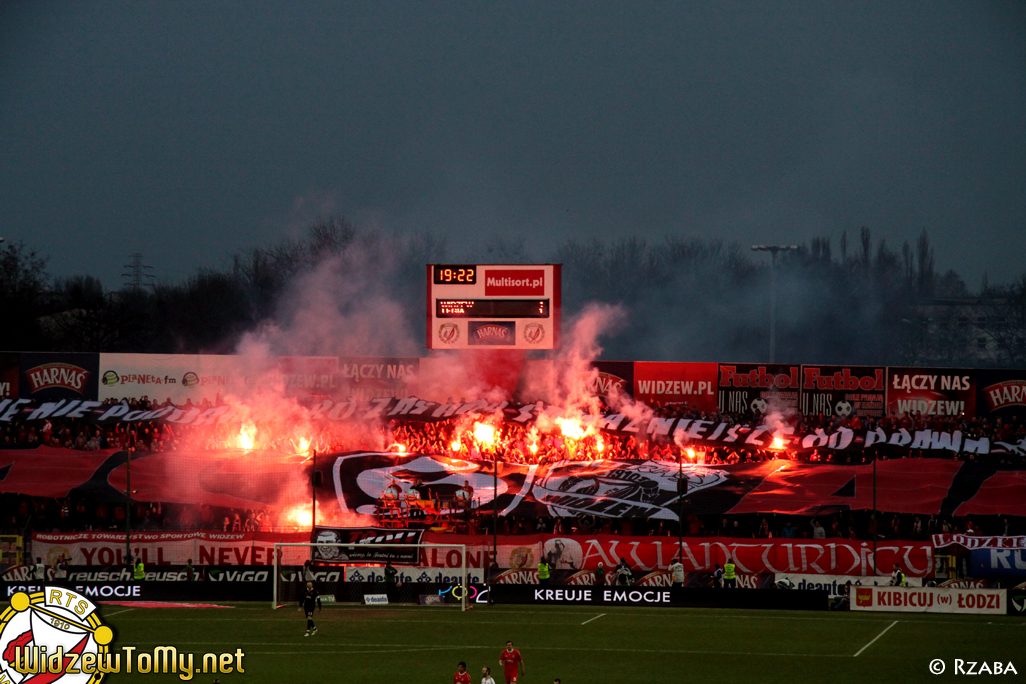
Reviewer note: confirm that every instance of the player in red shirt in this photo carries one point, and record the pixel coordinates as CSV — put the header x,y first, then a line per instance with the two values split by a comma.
x,y
461,676
512,664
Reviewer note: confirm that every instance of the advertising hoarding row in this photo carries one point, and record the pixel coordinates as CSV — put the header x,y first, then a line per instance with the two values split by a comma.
x,y
866,391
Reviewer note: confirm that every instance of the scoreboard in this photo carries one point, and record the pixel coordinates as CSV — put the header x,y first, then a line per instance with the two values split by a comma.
x,y
497,306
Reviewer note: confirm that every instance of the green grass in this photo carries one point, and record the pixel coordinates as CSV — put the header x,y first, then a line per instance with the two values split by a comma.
x,y
357,644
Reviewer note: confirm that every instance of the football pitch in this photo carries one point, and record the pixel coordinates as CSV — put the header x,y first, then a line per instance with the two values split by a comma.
x,y
394,644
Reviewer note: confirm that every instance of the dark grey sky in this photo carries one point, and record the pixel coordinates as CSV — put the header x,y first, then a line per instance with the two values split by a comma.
x,y
186,130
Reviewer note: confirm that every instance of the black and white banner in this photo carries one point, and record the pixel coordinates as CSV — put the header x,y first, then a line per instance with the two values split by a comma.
x,y
366,545
699,433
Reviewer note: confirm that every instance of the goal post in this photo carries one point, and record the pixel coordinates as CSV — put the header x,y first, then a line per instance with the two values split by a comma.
x,y
294,559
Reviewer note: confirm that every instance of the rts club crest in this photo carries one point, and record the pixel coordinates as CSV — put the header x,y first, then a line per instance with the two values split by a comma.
x,y
51,636
449,333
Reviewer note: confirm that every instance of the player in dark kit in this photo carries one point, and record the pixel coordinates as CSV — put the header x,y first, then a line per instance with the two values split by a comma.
x,y
309,602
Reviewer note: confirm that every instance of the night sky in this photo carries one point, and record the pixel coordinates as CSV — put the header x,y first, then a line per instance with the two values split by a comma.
x,y
189,130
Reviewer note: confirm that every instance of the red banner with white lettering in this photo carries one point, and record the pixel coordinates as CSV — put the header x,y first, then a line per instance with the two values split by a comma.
x,y
698,554
102,549
693,384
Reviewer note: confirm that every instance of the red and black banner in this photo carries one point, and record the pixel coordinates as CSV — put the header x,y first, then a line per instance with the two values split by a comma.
x,y
355,482
649,488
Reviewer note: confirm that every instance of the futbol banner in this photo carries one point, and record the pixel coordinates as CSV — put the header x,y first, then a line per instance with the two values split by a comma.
x,y
759,388
843,391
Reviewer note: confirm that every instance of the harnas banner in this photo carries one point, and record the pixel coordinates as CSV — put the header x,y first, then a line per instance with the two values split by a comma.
x,y
649,488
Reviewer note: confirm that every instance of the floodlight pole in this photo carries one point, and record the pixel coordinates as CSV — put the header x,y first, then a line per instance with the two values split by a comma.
x,y
128,508
495,506
875,531
680,505
773,249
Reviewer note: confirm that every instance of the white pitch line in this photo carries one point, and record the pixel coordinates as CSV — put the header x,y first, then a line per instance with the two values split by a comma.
x,y
400,648
874,639
118,612
592,619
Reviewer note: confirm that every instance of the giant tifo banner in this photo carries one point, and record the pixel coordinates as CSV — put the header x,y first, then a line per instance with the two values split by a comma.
x,y
170,548
649,488
354,482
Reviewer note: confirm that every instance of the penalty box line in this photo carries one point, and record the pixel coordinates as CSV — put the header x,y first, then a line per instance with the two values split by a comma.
x,y
405,648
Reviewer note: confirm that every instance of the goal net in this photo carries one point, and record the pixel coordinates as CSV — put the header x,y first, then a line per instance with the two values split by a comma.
x,y
347,573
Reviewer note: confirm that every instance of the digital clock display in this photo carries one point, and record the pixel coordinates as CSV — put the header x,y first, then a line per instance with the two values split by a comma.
x,y
491,308
455,275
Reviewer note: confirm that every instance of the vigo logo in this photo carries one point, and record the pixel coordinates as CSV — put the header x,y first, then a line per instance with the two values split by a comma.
x,y
55,632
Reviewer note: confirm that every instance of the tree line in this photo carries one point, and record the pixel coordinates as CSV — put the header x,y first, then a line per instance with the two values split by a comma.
x,y
687,298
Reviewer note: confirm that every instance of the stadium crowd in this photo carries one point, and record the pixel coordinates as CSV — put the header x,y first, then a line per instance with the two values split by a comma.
x,y
513,443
